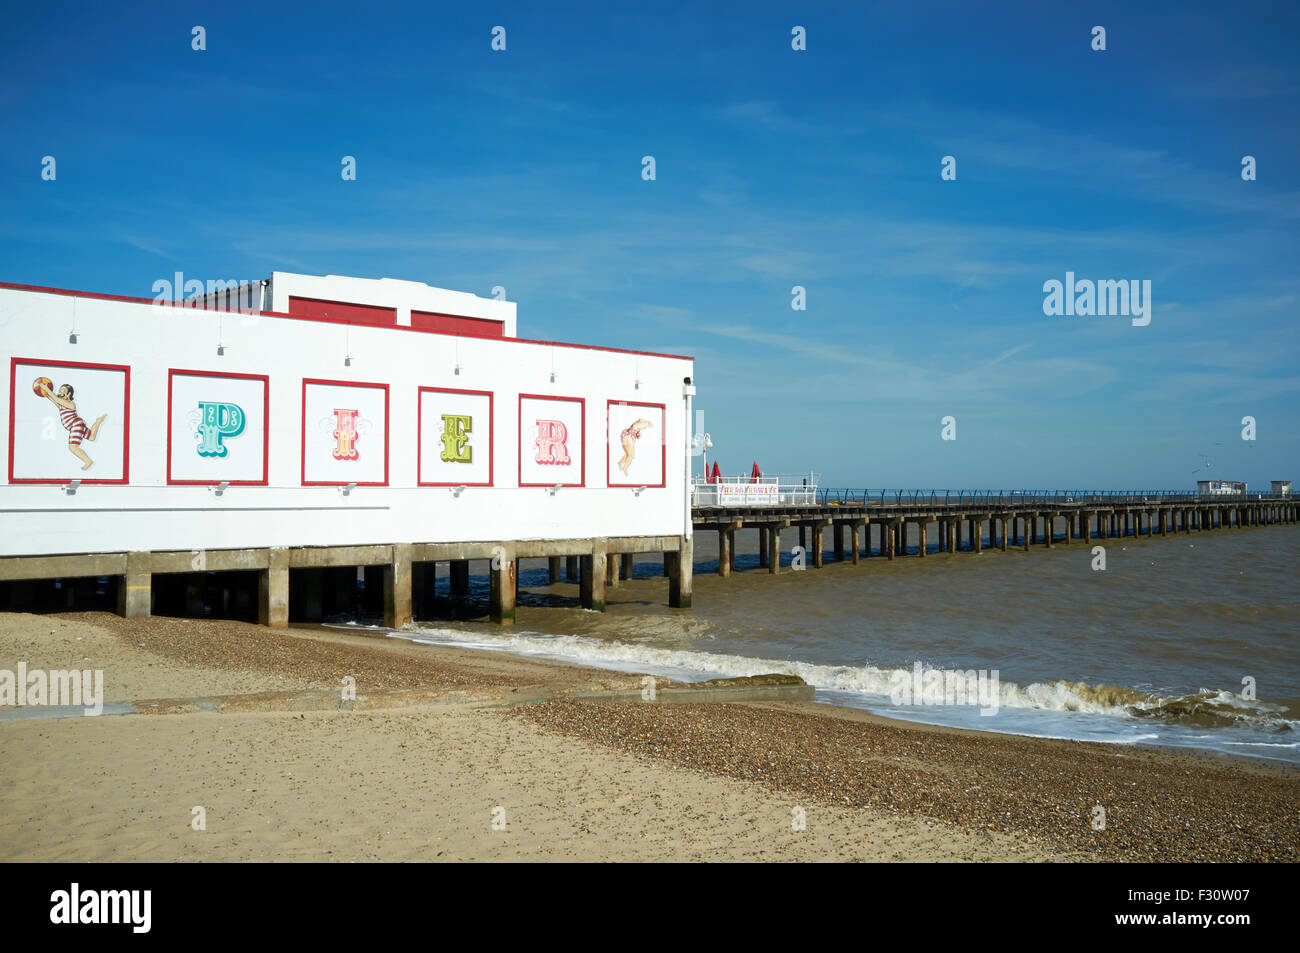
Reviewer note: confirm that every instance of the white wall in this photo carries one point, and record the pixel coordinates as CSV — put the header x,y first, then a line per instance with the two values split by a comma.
x,y
148,514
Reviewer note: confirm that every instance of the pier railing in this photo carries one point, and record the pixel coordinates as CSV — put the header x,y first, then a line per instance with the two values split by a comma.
x,y
776,490
948,497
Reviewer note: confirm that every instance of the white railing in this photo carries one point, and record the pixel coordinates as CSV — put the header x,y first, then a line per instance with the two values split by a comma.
x,y
776,490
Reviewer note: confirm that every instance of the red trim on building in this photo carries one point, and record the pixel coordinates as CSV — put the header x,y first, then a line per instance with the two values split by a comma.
x,y
303,413
457,324
126,424
266,425
520,432
300,317
342,311
663,444
419,438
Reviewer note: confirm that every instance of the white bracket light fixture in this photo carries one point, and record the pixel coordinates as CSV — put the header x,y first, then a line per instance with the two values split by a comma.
x,y
638,491
554,489
347,489
457,490
71,487
220,488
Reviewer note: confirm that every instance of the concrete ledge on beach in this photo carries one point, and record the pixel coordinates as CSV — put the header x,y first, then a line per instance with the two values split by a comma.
x,y
750,688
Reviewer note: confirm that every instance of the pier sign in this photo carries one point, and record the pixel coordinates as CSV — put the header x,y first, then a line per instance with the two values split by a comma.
x,y
635,444
745,494
68,421
552,431
455,437
344,433
217,428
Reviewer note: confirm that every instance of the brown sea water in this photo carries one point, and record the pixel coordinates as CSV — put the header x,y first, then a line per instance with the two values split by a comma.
x,y
1164,646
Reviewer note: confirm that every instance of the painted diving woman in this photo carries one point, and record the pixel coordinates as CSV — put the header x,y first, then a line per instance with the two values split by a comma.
x,y
71,420
629,437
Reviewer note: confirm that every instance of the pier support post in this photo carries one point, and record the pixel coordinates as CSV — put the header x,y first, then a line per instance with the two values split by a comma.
x,y
397,587
1024,520
724,552
977,534
135,594
554,566
571,568
1004,535
920,525
890,536
803,537
611,570
591,590
857,529
837,540
680,582
1049,529
815,540
772,544
460,577
503,580
763,542
272,589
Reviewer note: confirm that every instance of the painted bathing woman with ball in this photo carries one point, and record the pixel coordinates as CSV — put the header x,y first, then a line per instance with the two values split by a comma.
x,y
68,416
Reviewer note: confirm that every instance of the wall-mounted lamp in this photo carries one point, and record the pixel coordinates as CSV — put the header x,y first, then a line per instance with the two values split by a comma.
x,y
72,337
347,490
457,371
220,488
347,361
554,489
552,377
457,490
221,350
71,487
638,491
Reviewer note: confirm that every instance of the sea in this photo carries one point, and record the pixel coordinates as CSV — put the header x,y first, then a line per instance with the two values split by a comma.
x,y
1190,641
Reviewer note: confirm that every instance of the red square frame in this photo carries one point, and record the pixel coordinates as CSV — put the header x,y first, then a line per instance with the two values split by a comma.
x,y
520,434
663,444
419,433
172,372
302,412
126,424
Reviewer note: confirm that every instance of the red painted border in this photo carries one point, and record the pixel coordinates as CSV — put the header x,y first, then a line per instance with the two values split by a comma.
x,y
361,324
126,425
172,372
303,415
419,432
519,433
663,443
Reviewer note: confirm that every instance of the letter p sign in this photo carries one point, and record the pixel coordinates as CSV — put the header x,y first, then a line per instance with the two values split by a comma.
x,y
218,422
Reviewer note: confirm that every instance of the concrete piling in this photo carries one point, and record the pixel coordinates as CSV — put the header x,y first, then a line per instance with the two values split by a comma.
x,y
135,594
397,588
272,588
591,593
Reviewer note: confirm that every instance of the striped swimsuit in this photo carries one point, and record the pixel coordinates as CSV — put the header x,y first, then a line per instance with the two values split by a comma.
x,y
76,427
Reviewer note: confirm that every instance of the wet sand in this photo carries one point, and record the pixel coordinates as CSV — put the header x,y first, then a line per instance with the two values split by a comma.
x,y
573,780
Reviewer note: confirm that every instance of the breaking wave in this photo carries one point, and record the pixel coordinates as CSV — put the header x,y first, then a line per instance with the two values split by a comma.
x,y
1206,708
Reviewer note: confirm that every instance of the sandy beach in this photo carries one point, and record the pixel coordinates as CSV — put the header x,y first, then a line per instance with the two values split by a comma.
x,y
448,754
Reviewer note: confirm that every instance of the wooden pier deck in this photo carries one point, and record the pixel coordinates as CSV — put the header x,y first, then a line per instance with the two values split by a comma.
x,y
907,524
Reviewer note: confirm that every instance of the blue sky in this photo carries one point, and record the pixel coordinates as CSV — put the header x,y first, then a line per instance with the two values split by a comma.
x,y
775,168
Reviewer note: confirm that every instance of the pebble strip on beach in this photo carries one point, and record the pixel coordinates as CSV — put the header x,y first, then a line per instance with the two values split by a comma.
x,y
242,646
1158,806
